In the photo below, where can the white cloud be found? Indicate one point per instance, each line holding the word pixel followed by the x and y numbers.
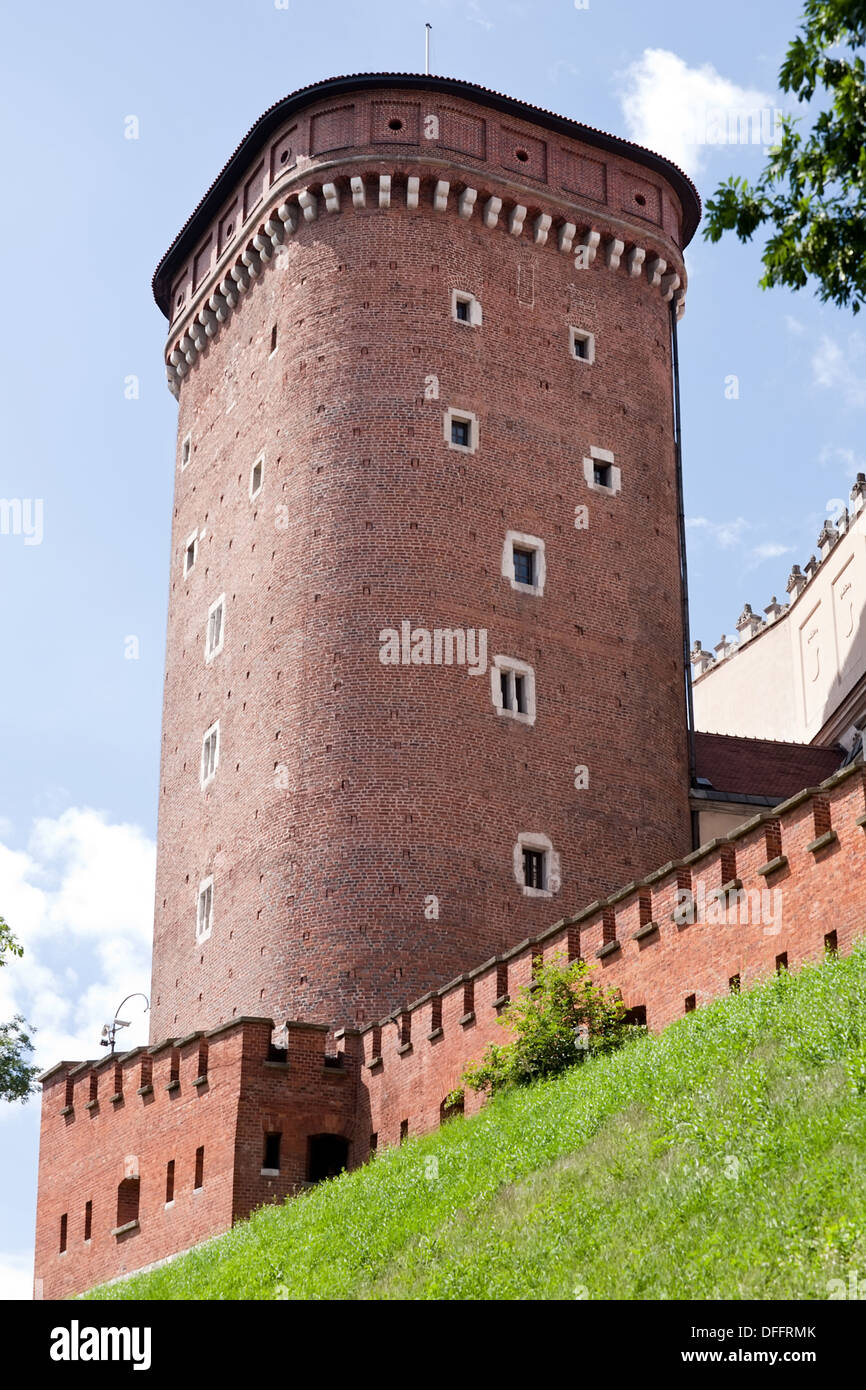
pixel 683 112
pixel 794 325
pixel 16 1277
pixel 724 533
pixel 770 550
pixel 835 457
pixel 841 369
pixel 80 901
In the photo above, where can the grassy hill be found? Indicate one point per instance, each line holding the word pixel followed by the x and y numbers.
pixel 724 1158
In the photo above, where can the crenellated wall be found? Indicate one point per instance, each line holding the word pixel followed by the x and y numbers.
pixel 778 891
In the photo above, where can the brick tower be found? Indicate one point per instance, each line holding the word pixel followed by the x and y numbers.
pixel 421 341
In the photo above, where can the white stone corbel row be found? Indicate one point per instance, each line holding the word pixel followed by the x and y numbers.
pixel 613 252
pixel 540 228
pixel 516 219
pixel 492 209
pixel 466 202
pixel 655 269
pixel 635 260
pixel 264 244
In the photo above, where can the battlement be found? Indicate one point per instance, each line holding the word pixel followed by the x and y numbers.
pixel 778 890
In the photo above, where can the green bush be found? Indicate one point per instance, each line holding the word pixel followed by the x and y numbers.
pixel 557 1021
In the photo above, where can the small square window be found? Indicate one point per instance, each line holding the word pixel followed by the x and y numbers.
pixel 524 566
pixel 190 554
pixel 185 451
pixel 210 753
pixel 582 344
pixel 256 476
pixel 215 628
pixel 461 430
pixel 601 474
pixel 601 471
pixel 513 688
pixel 465 308
pixel 533 868
pixel 204 917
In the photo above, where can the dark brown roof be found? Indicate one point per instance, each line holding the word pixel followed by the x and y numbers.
pixel 335 86
pixel 761 766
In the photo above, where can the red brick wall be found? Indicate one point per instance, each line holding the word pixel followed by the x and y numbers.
pixel 812 852
pixel 349 792
pixel 820 888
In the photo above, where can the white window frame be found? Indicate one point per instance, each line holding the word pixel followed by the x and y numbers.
pixel 211 651
pixel 464 297
pixel 524 542
pixel 510 664
pixel 213 733
pixel 191 540
pixel 581 335
pixel 202 935
pixel 597 455
pixel 530 839
pixel 467 417
pixel 185 451
pixel 257 463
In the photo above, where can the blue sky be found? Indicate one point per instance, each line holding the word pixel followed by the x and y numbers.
pixel 90 213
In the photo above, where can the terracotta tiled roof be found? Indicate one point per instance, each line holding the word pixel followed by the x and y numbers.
pixel 761 766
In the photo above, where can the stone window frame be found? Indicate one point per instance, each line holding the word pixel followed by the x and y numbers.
pixel 530 839
pixel 189 565
pixel 523 541
pixel 204 885
pixel 212 732
pixel 186 451
pixel 259 463
pixel 475 314
pixel 597 455
pixel 453 413
pixel 502 663
pixel 209 651
pixel 581 335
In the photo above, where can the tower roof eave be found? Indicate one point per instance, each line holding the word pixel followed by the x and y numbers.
pixel 336 86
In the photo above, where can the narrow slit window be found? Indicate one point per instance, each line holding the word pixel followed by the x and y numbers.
pixel 190 554
pixel 256 477
pixel 199 1168
pixel 210 754
pixel 533 868
pixel 214 635
pixel 88 1220
pixel 204 918
pixel 273 339
pixel 524 566
pixel 169 1182
pixel 185 452
pixel 271 1161
pixel 64 1221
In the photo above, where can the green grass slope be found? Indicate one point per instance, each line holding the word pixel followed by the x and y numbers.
pixel 724 1158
